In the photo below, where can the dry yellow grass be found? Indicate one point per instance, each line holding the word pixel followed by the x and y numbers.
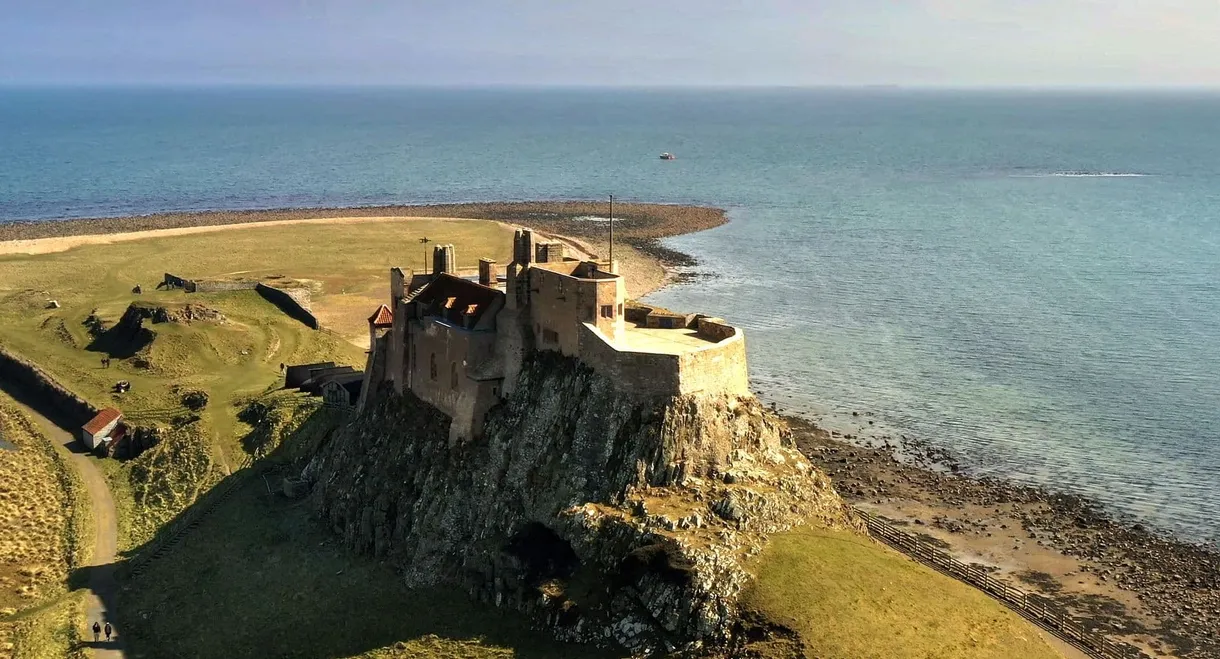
pixel 49 634
pixel 40 542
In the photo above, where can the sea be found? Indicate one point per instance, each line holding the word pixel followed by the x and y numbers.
pixel 1027 280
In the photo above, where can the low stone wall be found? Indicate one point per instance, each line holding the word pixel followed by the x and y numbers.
pixel 220 286
pixel 288 304
pixel 29 378
pixel 714 329
pixel 174 281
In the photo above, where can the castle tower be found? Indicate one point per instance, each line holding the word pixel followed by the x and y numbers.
pixel 443 260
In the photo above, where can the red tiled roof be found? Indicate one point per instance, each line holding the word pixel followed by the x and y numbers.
pixel 383 317
pixel 103 419
pixel 448 296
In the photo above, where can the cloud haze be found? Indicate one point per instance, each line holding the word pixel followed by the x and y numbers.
pixel 626 42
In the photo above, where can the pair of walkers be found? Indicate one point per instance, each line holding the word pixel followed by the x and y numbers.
pixel 97 630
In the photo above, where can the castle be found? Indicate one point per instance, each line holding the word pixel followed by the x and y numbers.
pixel 459 343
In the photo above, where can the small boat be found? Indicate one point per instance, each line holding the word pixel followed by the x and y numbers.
pixel 668 156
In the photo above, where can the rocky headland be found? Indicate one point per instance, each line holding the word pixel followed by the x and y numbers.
pixel 614 519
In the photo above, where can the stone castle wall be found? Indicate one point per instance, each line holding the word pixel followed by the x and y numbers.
pixel 717 368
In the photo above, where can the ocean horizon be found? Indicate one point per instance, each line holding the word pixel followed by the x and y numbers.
pixel 1027 280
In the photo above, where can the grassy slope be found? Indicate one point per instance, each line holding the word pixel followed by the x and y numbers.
pixel 44 527
pixel 259 578
pixel 49 634
pixel 849 597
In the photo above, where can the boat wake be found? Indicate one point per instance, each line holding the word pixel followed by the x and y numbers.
pixel 1083 174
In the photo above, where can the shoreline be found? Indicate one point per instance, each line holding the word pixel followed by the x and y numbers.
pixel 1150 589
pixel 639 228
pixel 1132 584
pixel 640 225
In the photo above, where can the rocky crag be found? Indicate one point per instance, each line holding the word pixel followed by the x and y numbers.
pixel 613 519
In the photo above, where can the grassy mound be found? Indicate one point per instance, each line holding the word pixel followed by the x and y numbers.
pixel 846 596
pixel 276 418
pixel 162 482
pixel 43 527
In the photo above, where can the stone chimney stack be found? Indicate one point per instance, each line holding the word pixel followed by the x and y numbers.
pixel 523 247
pixel 398 286
pixel 487 272
pixel 550 252
pixel 443 260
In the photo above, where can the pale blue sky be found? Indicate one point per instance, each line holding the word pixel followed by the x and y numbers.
pixel 623 42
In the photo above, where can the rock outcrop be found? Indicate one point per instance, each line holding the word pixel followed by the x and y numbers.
pixel 614 519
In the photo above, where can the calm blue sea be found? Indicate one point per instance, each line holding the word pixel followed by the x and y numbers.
pixel 1030 280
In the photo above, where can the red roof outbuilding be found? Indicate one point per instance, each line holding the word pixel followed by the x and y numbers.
pixel 383 317
pixel 103 419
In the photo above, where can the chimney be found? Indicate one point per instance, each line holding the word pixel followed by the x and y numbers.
pixel 550 252
pixel 487 272
pixel 523 247
pixel 443 260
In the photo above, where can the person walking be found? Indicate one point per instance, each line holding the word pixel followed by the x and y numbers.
pixel 109 631
pixel 97 629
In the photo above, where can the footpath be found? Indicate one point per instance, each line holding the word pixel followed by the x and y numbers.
pixel 100 571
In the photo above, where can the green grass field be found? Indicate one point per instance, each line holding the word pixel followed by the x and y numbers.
pixel 345 265
pixel 848 597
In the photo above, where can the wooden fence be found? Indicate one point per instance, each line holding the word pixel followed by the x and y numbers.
pixel 1036 609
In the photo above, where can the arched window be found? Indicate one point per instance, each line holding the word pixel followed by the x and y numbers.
pixel 432 365
pixel 453 375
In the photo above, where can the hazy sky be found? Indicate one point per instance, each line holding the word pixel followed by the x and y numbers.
pixel 619 42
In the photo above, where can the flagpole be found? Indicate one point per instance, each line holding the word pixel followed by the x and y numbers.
pixel 612 233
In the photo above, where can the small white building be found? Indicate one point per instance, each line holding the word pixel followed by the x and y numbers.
pixel 103 428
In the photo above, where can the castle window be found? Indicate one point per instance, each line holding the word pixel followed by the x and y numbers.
pixel 550 336
pixel 453 380
pixel 607 311
pixel 432 365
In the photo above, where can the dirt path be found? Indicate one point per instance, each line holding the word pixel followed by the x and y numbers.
pixel 99 574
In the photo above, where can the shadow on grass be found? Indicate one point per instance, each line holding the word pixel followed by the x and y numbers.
pixel 259 576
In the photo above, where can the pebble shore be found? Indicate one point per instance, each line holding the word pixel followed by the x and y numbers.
pixel 1122 579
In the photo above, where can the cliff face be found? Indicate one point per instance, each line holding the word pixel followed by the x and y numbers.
pixel 614 519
